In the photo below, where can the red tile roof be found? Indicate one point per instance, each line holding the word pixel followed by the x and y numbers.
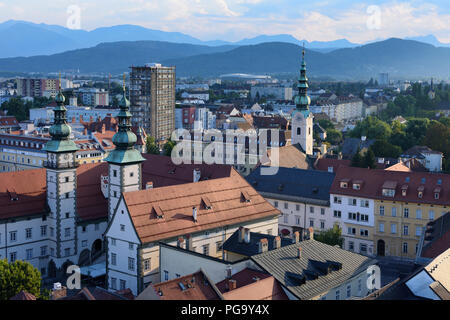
pixel 23 295
pixel 8 121
pixel 323 164
pixel 242 278
pixel 374 180
pixel 195 288
pixel 177 201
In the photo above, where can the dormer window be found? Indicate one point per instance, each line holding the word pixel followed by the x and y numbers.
pixel 420 191
pixel 404 192
pixel 420 194
pixel 389 189
pixel 436 195
pixel 388 193
pixel 356 186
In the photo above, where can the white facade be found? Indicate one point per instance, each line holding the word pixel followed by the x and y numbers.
pixel 73 113
pixel 204 119
pixel 278 92
pixel 302 131
pixel 340 111
pixel 357 216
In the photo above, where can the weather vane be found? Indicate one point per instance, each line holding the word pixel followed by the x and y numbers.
pixel 124 82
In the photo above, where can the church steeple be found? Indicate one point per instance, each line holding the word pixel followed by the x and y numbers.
pixel 302 100
pixel 124 139
pixel 60 132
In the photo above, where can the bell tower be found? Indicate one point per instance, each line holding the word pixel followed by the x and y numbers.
pixel 302 117
pixel 125 162
pixel 61 186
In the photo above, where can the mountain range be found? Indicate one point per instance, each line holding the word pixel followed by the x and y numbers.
pixel 25 39
pixel 400 58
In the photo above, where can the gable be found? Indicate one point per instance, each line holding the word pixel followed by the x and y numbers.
pixel 120 218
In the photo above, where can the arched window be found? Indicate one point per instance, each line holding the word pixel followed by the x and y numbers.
pixel 298 131
pixel 309 131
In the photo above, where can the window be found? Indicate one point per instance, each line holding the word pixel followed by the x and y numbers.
pixel 394 211
pixel 43 231
pixel 364 203
pixel 275 204
pixel 338 294
pixel 406 212
pixel 166 275
pixel 431 215
pixel 359 286
pixel 113 259
pixel 131 174
pixel 337 213
pixel 52 231
pixel 130 246
pixel 349 291
pixel 115 194
pixel 285 218
pixel 322 211
pixel 52 252
pixel 122 227
pixel 418 231
pixel 364 232
pixel 12 256
pixel 113 242
pixel 122 284
pixel 352 202
pixel 351 246
pixel 29 254
pixel 114 283
pixel 43 251
pixel 405 230
pixel 356 186
pixel 83 229
pixel 362 248
pixel 286 205
pixel 28 233
pixel 67 232
pixel 147 264
pixel 381 227
pixel 297 220
pixel 84 243
pixel 297 207
pixel 114 173
pixel 311 223
pixel 405 247
pixel 351 230
pixel 338 200
pixel 67 252
pixel 219 243
pixel 381 210
pixel 130 264
pixel 393 228
pixel 311 209
pixel 205 249
pixel 418 214
pixel 67 215
pixel 322 224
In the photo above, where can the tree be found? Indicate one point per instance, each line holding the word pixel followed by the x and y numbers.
pixel 372 128
pixel 168 146
pixel 334 137
pixel 437 138
pixel 357 160
pixel 331 236
pixel 326 124
pixel 151 146
pixel 382 148
pixel 369 159
pixel 18 276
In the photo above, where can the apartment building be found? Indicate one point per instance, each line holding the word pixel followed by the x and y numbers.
pixel 302 196
pixel 339 109
pixel 152 97
pixel 37 87
pixel 393 206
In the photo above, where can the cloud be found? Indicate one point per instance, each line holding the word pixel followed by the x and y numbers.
pixel 236 19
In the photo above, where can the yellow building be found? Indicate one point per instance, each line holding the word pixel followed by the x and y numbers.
pixel 399 206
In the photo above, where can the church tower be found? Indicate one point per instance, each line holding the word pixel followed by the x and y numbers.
pixel 61 186
pixel 302 118
pixel 125 162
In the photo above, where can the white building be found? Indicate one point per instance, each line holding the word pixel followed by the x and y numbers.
pixel 276 92
pixel 86 114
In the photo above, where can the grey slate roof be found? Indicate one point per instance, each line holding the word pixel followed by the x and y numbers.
pixel 250 249
pixel 351 145
pixel 292 184
pixel 284 265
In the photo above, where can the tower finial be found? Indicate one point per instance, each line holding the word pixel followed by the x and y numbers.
pixel 124 77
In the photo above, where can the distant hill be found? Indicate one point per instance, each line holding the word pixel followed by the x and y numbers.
pixel 400 58
pixel 112 57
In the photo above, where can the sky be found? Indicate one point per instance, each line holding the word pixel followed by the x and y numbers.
pixel 233 20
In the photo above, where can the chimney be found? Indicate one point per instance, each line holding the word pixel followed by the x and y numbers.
pixel 296 237
pixel 85 132
pixel 149 185
pixel 231 284
pixel 299 253
pixel 197 175
pixel 181 243
pixel 277 242
pixel 241 234
pixel 103 128
pixel 229 271
pixel 311 233
pixel 247 235
pixel 263 245
pixel 194 213
pixel 58 291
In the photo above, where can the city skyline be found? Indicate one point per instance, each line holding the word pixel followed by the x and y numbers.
pixel 233 20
